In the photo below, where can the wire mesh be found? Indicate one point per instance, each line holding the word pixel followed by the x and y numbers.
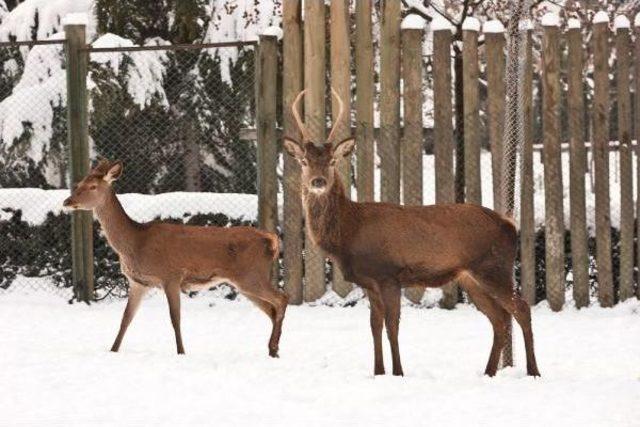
pixel 33 164
pixel 181 121
pixel 178 121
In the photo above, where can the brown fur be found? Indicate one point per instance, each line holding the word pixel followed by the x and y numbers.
pixel 177 257
pixel 383 247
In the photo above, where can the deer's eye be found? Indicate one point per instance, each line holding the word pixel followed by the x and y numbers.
pixel 303 162
pixel 93 187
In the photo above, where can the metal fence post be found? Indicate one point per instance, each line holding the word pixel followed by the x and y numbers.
pixel 77 100
pixel 267 144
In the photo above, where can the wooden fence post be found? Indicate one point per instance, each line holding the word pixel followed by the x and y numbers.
pixel 623 41
pixel 578 220
pixel 292 84
pixel 364 101
pixel 494 45
pixel 389 138
pixel 315 115
pixel 554 218
pixel 412 136
pixel 81 221
pixel 471 81
pixel 267 144
pixel 600 119
pixel 527 208
pixel 341 82
pixel 636 121
pixel 443 130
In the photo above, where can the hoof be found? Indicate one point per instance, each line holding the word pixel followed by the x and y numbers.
pixel 274 354
pixel 398 374
pixel 378 372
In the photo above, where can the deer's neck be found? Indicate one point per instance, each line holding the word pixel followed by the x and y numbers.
pixel 121 231
pixel 328 216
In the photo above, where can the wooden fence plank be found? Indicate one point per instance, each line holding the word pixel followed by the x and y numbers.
pixel 267 144
pixel 527 208
pixel 341 82
pixel 77 116
pixel 578 223
pixel 292 219
pixel 314 108
pixel 364 101
pixel 636 121
pixel 623 41
pixel 412 137
pixel 554 218
pixel 443 135
pixel 495 56
pixel 600 117
pixel 471 74
pixel 389 142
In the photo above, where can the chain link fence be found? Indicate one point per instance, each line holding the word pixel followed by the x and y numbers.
pixel 179 118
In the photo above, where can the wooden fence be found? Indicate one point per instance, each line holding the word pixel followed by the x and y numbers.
pixel 563 72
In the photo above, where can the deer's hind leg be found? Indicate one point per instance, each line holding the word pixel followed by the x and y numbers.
pixel 272 302
pixel 497 315
pixel 136 292
pixel 173 298
pixel 500 287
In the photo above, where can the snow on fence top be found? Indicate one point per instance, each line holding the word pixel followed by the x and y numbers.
pixel 574 23
pixel 525 25
pixel 471 24
pixel 636 20
pixel 273 30
pixel 493 26
pixel 621 22
pixel 440 23
pixel 413 22
pixel 75 19
pixel 601 17
pixel 550 20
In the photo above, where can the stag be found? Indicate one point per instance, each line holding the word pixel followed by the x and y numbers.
pixel 383 247
pixel 177 257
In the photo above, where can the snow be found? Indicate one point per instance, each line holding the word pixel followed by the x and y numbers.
pixel 413 22
pixel 57 368
pixel 493 26
pixel 41 87
pixel 550 20
pixel 273 31
pixel 471 24
pixel 621 22
pixel 574 23
pixel 48 14
pixel 636 20
pixel 147 74
pixel 440 23
pixel 141 207
pixel 525 25
pixel 601 17
pixel 75 19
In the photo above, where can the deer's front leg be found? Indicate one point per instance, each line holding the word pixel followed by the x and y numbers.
pixel 136 292
pixel 377 321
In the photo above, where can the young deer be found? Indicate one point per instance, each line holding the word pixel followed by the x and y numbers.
pixel 384 247
pixel 178 257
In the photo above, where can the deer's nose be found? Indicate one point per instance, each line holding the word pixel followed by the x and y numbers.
pixel 68 202
pixel 318 182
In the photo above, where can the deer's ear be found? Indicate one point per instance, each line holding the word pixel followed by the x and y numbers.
pixel 115 170
pixel 293 147
pixel 344 148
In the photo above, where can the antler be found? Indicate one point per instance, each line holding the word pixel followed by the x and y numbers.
pixel 296 115
pixel 337 121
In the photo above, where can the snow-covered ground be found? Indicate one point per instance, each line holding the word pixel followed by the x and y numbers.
pixel 55 367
